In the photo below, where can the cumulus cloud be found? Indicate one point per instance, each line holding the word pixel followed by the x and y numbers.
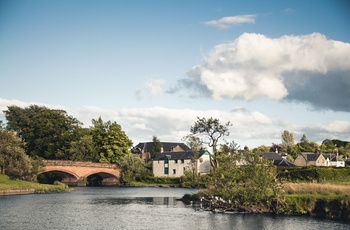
pixel 308 68
pixel 228 22
pixel 250 128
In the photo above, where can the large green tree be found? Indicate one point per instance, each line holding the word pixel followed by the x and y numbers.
pixel 46 132
pixel 133 168
pixel 14 162
pixel 110 140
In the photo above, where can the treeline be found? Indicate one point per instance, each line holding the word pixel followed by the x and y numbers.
pixel 53 134
pixel 288 146
pixel 35 133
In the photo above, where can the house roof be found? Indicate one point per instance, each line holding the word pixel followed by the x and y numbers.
pixel 332 157
pixel 167 146
pixel 277 159
pixel 271 156
pixel 283 162
pixel 181 155
pixel 178 155
pixel 310 156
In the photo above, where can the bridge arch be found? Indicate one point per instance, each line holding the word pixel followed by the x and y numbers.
pixel 75 173
pixel 67 177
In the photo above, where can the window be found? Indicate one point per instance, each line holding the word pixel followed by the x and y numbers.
pixel 175 161
pixel 182 161
pixel 166 171
pixel 174 171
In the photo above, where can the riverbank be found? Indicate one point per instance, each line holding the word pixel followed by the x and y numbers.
pixel 19 187
pixel 327 201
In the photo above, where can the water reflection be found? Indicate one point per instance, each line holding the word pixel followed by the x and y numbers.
pixel 133 208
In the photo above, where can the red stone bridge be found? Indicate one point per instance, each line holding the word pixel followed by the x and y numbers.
pixel 75 173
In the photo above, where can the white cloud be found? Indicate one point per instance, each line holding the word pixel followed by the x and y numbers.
pixel 250 128
pixel 308 68
pixel 228 22
pixel 154 87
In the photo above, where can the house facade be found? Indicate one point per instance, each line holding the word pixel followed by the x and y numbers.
pixel 175 163
pixel 310 159
pixel 144 149
pixel 332 160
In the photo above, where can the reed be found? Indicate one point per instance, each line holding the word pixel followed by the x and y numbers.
pixel 316 188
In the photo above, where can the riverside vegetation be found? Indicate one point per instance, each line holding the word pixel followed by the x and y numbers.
pixel 14 187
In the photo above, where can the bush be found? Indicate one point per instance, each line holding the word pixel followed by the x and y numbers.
pixel 319 174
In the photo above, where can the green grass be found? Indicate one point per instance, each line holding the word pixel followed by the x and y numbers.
pixel 7 184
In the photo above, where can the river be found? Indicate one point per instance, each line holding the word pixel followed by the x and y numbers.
pixel 133 208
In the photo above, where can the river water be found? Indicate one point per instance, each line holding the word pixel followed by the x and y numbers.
pixel 133 208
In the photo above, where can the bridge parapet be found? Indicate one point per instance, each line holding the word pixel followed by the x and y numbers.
pixel 79 164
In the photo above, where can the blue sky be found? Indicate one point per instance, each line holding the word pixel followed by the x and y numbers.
pixel 154 66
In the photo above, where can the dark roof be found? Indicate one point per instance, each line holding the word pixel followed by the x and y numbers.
pixel 277 159
pixel 283 162
pixel 167 146
pixel 178 155
pixel 271 156
pixel 311 156
pixel 332 157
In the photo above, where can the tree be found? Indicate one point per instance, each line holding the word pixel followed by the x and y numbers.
pixel 111 142
pixel 156 147
pixel 213 130
pixel 251 184
pixel 261 149
pixel 288 143
pixel 229 148
pixel 46 132
pixel 84 149
pixel 133 168
pixel 14 162
pixel 305 146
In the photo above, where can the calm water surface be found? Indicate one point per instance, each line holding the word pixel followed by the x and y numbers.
pixel 133 208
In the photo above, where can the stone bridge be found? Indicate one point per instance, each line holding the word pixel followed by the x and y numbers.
pixel 75 173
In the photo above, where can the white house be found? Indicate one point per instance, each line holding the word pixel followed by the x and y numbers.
pixel 333 160
pixel 174 164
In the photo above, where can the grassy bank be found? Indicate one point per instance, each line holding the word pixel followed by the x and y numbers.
pixel 319 200
pixel 6 184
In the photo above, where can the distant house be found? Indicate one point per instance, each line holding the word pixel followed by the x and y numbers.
pixel 333 160
pixel 175 163
pixel 277 159
pixel 144 149
pixel 310 159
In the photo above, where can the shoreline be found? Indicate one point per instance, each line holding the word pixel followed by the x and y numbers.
pixel 13 192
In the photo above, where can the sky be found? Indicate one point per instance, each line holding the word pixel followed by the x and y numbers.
pixel 155 66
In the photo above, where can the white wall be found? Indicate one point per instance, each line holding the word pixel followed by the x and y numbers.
pixel 179 167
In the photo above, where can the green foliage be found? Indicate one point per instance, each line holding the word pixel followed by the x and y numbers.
pixel 212 129
pixel 84 149
pixel 253 183
pixel 46 132
pixel 7 184
pixel 133 168
pixel 315 174
pixel 156 147
pixel 111 142
pixel 14 162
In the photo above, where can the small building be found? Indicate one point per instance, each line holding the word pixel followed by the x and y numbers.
pixel 175 163
pixel 277 159
pixel 310 159
pixel 332 160
pixel 144 149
